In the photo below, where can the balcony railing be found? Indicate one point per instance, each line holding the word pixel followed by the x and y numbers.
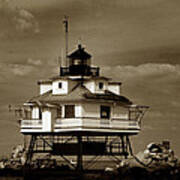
pixel 90 71
pixel 32 123
pixel 83 123
pixel 120 124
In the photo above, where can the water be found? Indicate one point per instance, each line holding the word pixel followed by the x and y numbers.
pixel 12 178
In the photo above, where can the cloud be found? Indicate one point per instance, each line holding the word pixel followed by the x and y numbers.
pixel 139 3
pixel 15 20
pixel 156 85
pixel 7 70
pixel 142 71
pixel 20 70
pixel 25 21
pixel 37 62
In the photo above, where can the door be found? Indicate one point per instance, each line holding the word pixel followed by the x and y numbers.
pixel 69 111
pixel 105 113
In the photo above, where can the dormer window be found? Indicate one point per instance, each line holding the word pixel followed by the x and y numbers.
pixel 60 85
pixel 101 85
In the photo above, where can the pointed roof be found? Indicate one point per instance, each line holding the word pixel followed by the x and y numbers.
pixel 80 93
pixel 79 54
pixel 76 94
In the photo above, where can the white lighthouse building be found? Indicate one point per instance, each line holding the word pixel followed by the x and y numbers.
pixel 80 100
pixel 80 113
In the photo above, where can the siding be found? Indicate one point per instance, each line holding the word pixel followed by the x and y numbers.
pixel 114 88
pixel 93 110
pixel 66 86
pixel 62 90
pixel 45 88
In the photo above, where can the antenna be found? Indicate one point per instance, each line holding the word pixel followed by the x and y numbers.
pixel 59 61
pixel 79 40
pixel 62 57
pixel 65 22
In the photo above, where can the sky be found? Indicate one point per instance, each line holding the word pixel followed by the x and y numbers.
pixel 133 41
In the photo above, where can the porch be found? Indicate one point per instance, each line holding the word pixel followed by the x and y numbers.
pixel 82 124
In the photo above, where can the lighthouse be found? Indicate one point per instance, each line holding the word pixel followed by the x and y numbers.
pixel 80 114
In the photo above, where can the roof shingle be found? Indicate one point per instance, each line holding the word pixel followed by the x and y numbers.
pixel 81 93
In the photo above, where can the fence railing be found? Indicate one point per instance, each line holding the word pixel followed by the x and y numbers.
pixel 87 122
pixel 97 122
pixel 91 71
pixel 34 122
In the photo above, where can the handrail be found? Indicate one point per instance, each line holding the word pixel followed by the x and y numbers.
pixel 65 121
pixel 98 118
pixel 31 122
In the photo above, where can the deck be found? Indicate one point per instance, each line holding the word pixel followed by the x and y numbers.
pixel 82 124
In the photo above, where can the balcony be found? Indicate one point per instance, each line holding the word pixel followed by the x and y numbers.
pixel 34 125
pixel 76 71
pixel 97 125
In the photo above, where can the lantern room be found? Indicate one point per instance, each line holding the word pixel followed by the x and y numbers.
pixel 79 64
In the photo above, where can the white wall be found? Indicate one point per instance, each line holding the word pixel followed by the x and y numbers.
pixel 119 112
pixel 91 110
pixel 90 85
pixel 35 113
pixel 93 86
pixel 115 88
pixel 46 120
pixel 62 90
pixel 63 111
pixel 101 91
pixel 78 110
pixel 53 117
pixel 67 85
pixel 45 88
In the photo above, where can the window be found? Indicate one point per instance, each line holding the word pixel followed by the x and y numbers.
pixel 77 62
pixel 59 112
pixel 60 85
pixel 27 114
pixel 40 113
pixel 105 112
pixel 69 111
pixel 101 85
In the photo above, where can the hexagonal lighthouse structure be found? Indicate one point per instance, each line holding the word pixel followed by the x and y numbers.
pixel 81 114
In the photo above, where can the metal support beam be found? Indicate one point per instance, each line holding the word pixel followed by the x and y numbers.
pixel 114 147
pixel 29 155
pixel 79 155
pixel 91 162
pixel 129 145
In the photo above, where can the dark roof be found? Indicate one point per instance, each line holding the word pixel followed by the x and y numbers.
pixel 60 77
pixel 50 80
pixel 109 96
pixel 47 81
pixel 76 94
pixel 98 78
pixel 115 83
pixel 79 54
pixel 81 93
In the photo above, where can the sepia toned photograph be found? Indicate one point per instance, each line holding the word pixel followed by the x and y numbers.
pixel 89 89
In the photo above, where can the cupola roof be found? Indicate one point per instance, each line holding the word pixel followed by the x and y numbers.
pixel 80 53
